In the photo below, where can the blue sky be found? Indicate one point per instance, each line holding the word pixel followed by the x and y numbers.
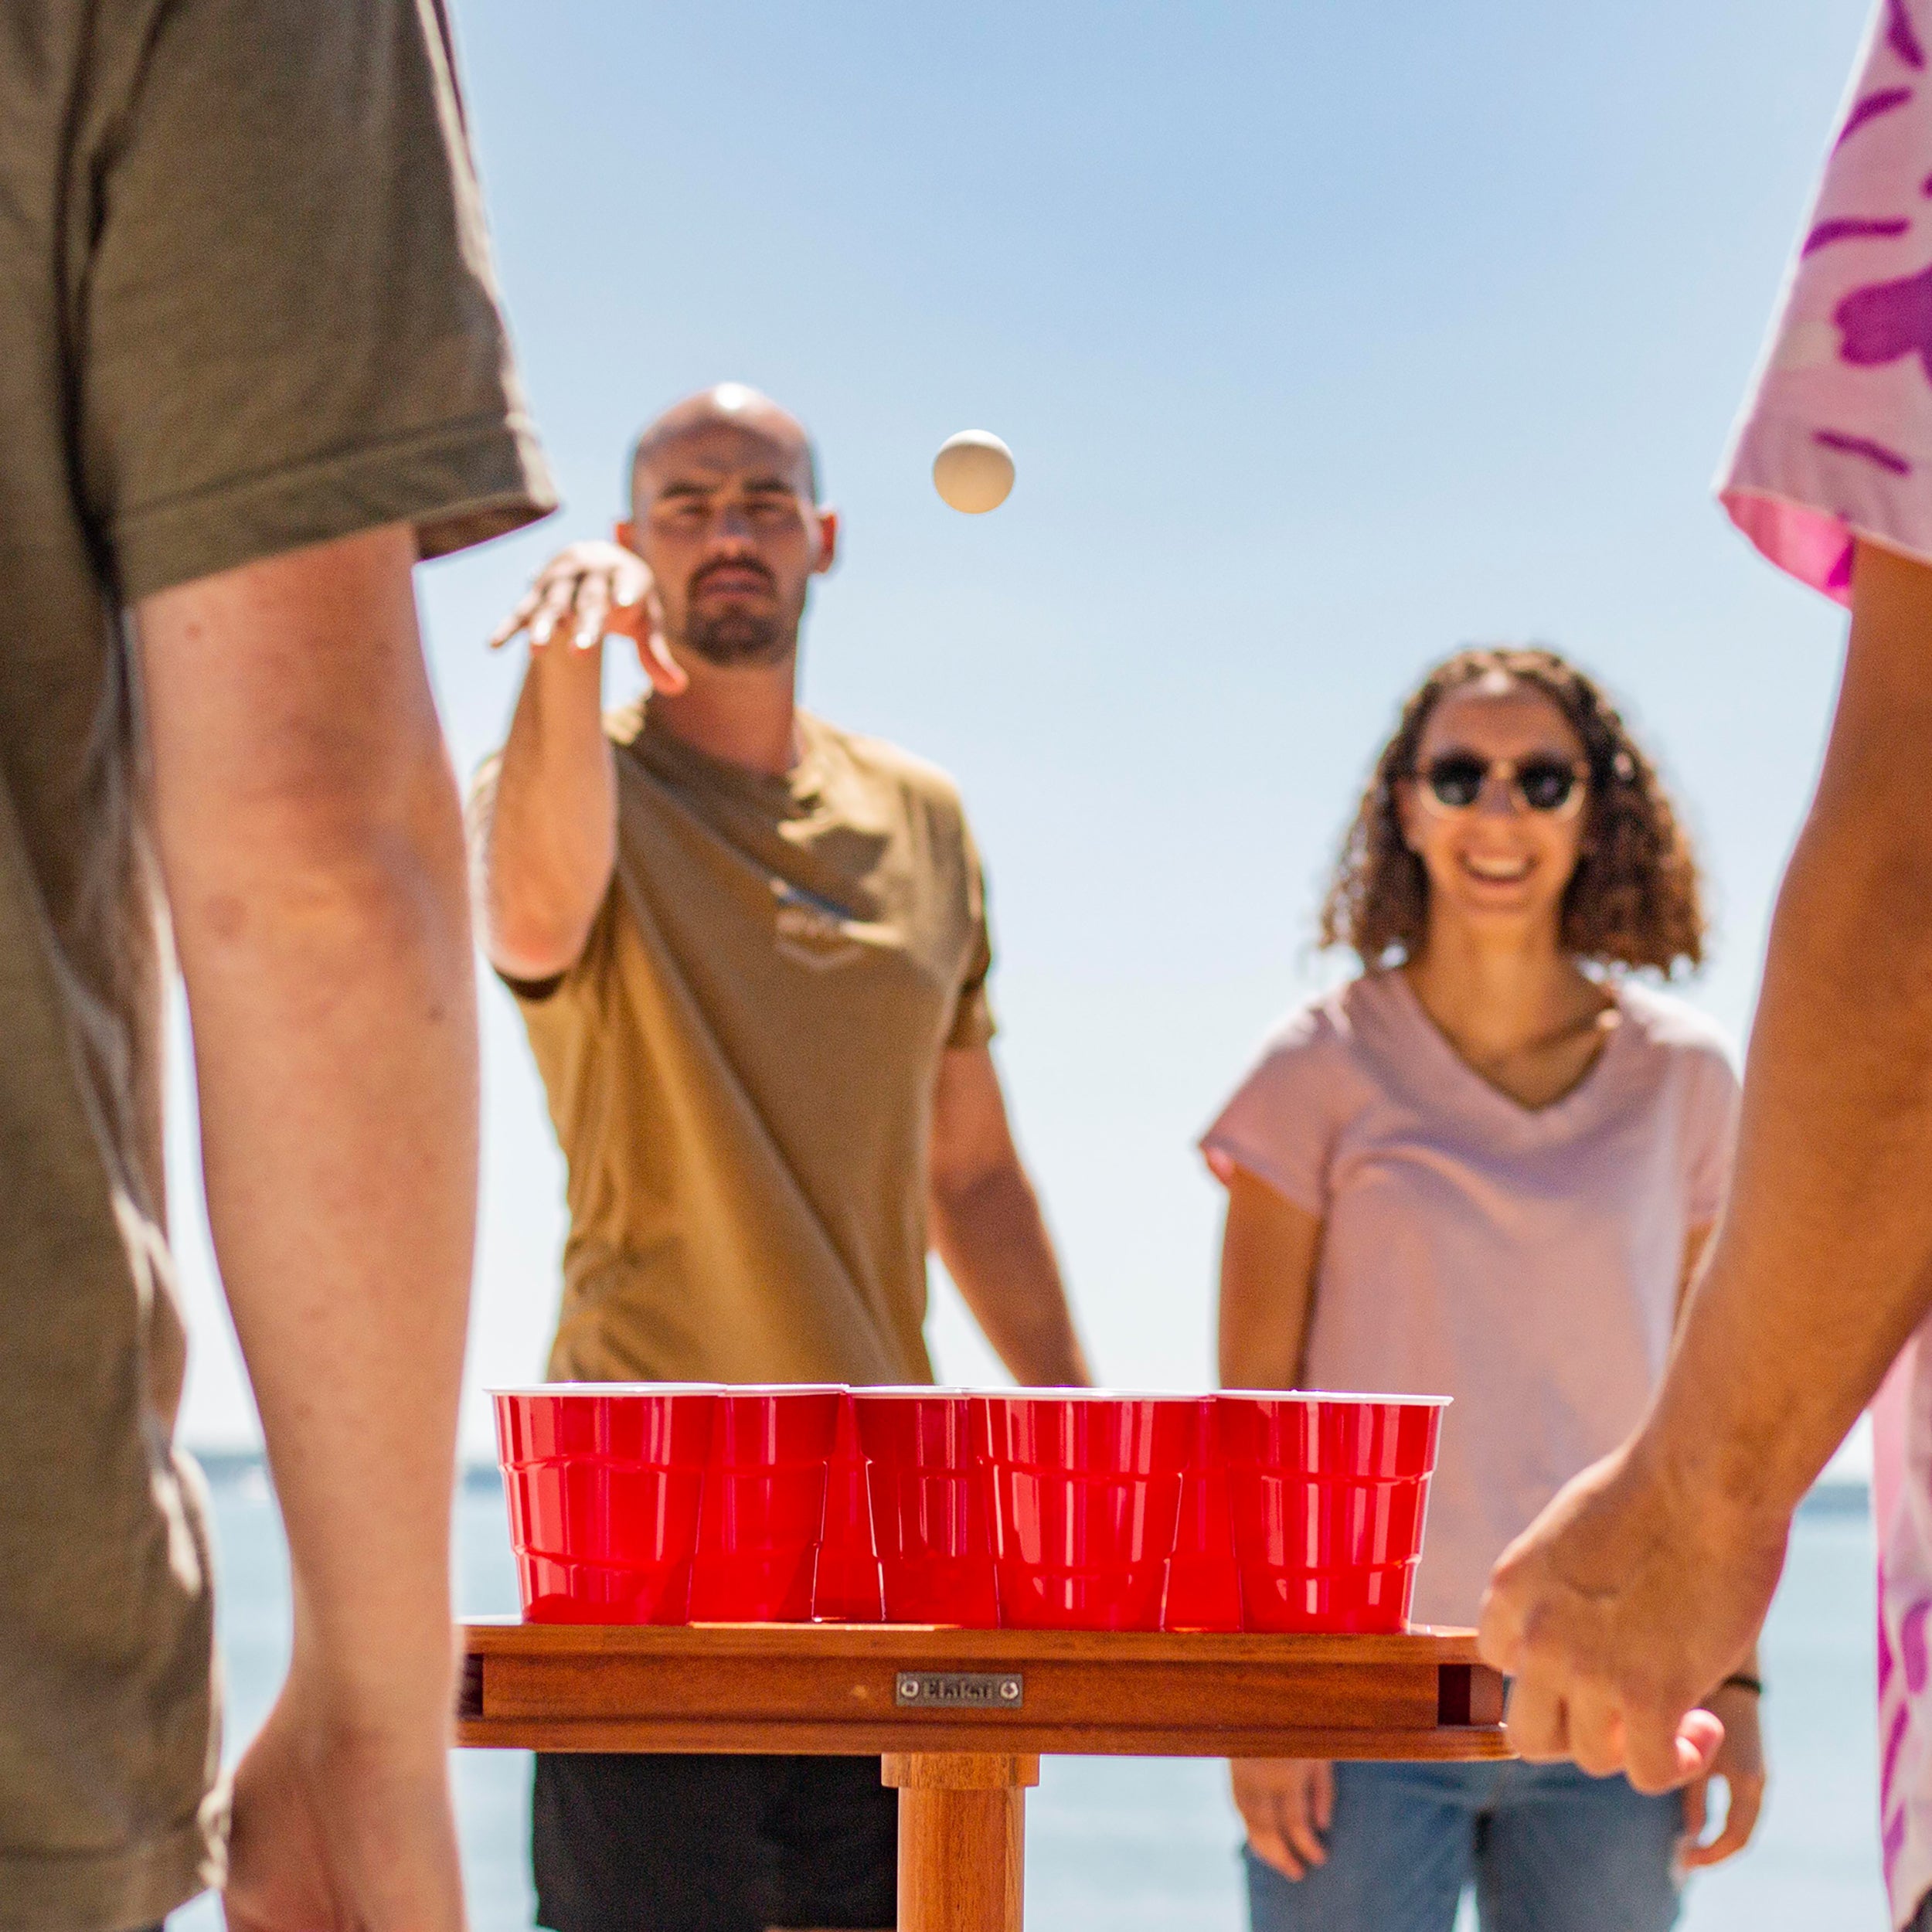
pixel 1327 337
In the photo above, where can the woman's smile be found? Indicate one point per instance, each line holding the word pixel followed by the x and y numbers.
pixel 1498 869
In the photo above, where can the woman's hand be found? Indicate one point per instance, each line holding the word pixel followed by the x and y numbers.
pixel 1741 1764
pixel 1287 1804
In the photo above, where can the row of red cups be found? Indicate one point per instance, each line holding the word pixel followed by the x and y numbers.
pixel 655 1502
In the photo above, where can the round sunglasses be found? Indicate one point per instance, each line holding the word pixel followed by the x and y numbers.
pixel 1552 786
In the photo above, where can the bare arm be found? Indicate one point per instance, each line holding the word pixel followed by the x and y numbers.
pixel 1269 1247
pixel 987 1228
pixel 544 841
pixel 1694 1244
pixel 310 836
pixel 1269 1250
pixel 1646 1578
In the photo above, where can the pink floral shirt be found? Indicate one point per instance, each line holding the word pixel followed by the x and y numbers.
pixel 1837 439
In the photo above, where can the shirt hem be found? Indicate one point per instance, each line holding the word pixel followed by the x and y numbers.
pixel 111 1892
pixel 459 484
pixel 1800 503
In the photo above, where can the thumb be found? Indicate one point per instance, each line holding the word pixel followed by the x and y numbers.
pixel 1699 1738
pixel 667 676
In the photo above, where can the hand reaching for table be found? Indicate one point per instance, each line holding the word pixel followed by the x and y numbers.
pixel 1287 1804
pixel 1637 1589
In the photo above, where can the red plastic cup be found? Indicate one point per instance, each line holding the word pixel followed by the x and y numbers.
pixel 847 1586
pixel 603 1481
pixel 929 1507
pixel 763 1510
pixel 1203 1580
pixel 1329 1496
pixel 1087 1496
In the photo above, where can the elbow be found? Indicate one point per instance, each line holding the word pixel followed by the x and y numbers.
pixel 321 866
pixel 325 877
pixel 530 944
pixel 957 1191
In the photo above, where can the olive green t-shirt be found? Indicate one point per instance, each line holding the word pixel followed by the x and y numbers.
pixel 740 1068
pixel 245 305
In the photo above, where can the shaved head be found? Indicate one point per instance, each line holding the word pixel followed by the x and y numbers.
pixel 732 405
pixel 725 509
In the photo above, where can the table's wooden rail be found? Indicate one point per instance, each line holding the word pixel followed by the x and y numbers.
pixel 819 1689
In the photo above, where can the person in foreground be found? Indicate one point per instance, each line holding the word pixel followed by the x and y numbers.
pixel 1485 1168
pixel 251 369
pixel 1646 1578
pixel 751 951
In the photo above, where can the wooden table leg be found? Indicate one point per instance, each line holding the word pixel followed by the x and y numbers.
pixel 962 1839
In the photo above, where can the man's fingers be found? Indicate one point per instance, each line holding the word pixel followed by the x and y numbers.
pixel 1599 1733
pixel 1700 1736
pixel 553 607
pixel 1499 1632
pixel 1323 1795
pixel 1297 1827
pixel 1539 1722
pixel 1747 1800
pixel 1696 1811
pixel 526 610
pixel 667 676
pixel 592 609
pixel 1271 1846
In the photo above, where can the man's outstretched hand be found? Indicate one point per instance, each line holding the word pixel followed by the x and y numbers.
pixel 341 1830
pixel 1624 1604
pixel 588 592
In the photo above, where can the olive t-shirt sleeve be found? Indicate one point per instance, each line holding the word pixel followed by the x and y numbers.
pixel 291 331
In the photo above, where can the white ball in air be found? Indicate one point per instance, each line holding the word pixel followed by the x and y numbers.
pixel 974 471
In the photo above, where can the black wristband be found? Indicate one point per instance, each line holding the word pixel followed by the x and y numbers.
pixel 1744 1681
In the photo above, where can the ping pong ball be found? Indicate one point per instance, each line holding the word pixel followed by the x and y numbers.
pixel 974 471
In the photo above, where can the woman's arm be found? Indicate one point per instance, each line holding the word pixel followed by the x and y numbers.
pixel 1269 1249
pixel 1268 1254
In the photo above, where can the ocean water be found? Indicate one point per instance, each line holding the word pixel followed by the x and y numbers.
pixel 1148 1845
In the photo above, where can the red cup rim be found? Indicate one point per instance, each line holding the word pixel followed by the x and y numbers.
pixel 1081 1395
pixel 589 1389
pixel 784 1388
pixel 908 1392
pixel 1324 1394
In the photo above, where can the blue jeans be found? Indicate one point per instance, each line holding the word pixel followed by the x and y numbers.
pixel 1547 1849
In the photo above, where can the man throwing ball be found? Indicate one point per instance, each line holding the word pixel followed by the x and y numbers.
pixel 751 952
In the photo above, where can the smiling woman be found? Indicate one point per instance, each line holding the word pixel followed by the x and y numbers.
pixel 1631 898
pixel 1484 1169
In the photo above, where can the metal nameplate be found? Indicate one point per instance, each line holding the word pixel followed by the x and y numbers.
pixel 931 1690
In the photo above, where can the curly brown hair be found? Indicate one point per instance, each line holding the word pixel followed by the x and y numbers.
pixel 1634 900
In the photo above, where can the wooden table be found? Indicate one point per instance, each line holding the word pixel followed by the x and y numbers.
pixel 961 1717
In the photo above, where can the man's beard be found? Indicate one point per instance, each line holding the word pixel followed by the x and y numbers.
pixel 733 639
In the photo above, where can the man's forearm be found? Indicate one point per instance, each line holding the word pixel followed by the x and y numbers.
pixel 548 840
pixel 993 1239
pixel 311 836
pixel 1831 1205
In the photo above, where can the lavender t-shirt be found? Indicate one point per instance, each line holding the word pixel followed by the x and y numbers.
pixel 1525 1261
